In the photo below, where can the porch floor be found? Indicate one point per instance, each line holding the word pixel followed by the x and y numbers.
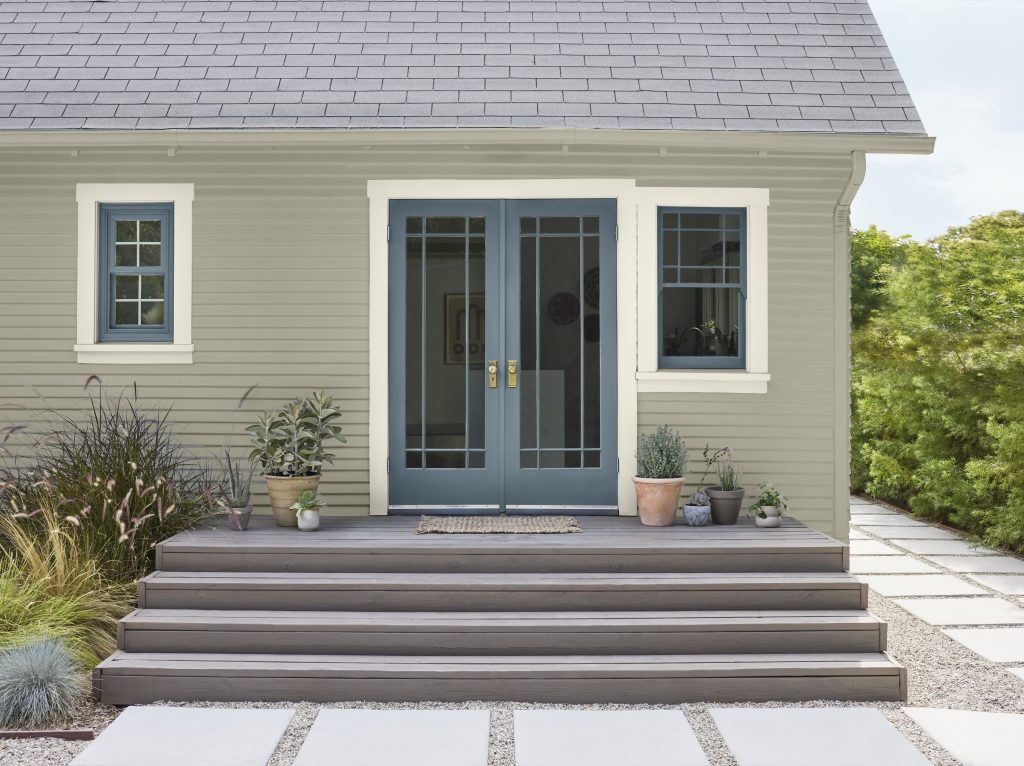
pixel 365 609
pixel 609 543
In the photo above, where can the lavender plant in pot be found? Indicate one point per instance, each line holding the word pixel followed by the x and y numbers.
pixel 661 463
pixel 727 495
pixel 289 448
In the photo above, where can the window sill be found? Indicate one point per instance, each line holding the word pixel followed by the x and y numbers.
pixel 134 353
pixel 703 382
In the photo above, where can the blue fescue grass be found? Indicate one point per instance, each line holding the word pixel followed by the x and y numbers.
pixel 41 684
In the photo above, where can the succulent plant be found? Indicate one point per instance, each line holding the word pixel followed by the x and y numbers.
pixel 699 497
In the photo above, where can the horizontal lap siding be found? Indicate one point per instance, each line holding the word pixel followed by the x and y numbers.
pixel 281 291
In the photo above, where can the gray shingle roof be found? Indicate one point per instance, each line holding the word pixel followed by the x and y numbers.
pixel 756 66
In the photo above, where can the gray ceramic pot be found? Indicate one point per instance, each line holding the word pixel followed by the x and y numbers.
pixel 238 518
pixel 725 504
pixel 697 515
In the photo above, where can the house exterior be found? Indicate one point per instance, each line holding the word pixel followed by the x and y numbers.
pixel 507 236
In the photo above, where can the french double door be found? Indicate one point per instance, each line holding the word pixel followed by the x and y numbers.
pixel 502 384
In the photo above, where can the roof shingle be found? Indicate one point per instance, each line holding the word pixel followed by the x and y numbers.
pixel 758 66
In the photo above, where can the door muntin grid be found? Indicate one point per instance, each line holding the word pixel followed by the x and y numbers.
pixel 560 387
pixel 445 341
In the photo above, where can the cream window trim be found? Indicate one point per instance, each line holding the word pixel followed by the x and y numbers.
pixel 87 348
pixel 134 353
pixel 752 380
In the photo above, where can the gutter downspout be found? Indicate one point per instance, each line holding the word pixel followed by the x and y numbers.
pixel 841 370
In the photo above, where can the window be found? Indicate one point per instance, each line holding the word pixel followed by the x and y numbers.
pixel 136 261
pixel 134 273
pixel 702 288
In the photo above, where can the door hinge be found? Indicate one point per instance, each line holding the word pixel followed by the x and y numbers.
pixel 389 466
pixel 618 465
pixel 616 232
pixel 389 232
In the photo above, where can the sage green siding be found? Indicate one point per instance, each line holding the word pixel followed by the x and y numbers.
pixel 281 291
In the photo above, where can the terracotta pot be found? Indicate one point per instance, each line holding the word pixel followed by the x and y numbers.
pixel 725 504
pixel 238 518
pixel 284 492
pixel 657 500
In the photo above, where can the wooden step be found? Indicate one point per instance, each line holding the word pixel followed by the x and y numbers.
pixel 407 592
pixel 500 633
pixel 388 544
pixel 128 678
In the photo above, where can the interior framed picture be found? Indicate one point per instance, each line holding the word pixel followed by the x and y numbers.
pixel 464 329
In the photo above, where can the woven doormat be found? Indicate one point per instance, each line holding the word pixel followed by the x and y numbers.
pixel 482 525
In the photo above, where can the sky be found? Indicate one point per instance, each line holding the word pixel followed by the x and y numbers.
pixel 963 61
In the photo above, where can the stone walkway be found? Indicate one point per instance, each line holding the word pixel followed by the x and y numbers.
pixel 974 594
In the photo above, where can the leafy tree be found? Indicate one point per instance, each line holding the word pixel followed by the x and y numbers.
pixel 938 376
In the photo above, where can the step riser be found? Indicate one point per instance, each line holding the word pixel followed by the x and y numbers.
pixel 606 562
pixel 157 597
pixel 498 643
pixel 143 689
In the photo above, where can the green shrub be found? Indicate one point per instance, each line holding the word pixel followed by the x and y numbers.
pixel 40 685
pixel 661 455
pixel 938 356
pixel 118 478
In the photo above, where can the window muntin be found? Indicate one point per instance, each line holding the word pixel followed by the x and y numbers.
pixel 136 273
pixel 702 287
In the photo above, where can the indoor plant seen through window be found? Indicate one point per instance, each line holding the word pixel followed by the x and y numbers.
pixel 660 465
pixel 289 448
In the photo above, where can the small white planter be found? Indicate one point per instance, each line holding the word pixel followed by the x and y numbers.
pixel 772 511
pixel 308 521
pixel 768 523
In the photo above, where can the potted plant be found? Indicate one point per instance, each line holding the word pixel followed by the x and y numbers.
pixel 307 511
pixel 235 494
pixel 698 511
pixel 661 463
pixel 289 448
pixel 727 495
pixel 769 506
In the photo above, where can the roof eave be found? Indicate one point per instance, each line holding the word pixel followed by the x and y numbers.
pixel 887 143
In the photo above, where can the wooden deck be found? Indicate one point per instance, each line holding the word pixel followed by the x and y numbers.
pixel 607 544
pixel 366 609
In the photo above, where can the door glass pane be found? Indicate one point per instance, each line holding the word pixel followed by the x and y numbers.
pixel 560 409
pixel 700 321
pixel 444 355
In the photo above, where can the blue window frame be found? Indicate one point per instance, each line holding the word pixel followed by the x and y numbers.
pixel 136 290
pixel 702 273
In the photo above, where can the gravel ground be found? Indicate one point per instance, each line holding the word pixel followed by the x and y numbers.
pixel 942 673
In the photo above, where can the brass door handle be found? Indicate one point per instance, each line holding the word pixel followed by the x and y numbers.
pixel 513 373
pixel 492 373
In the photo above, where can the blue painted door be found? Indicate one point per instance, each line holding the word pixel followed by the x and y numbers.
pixel 502 356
